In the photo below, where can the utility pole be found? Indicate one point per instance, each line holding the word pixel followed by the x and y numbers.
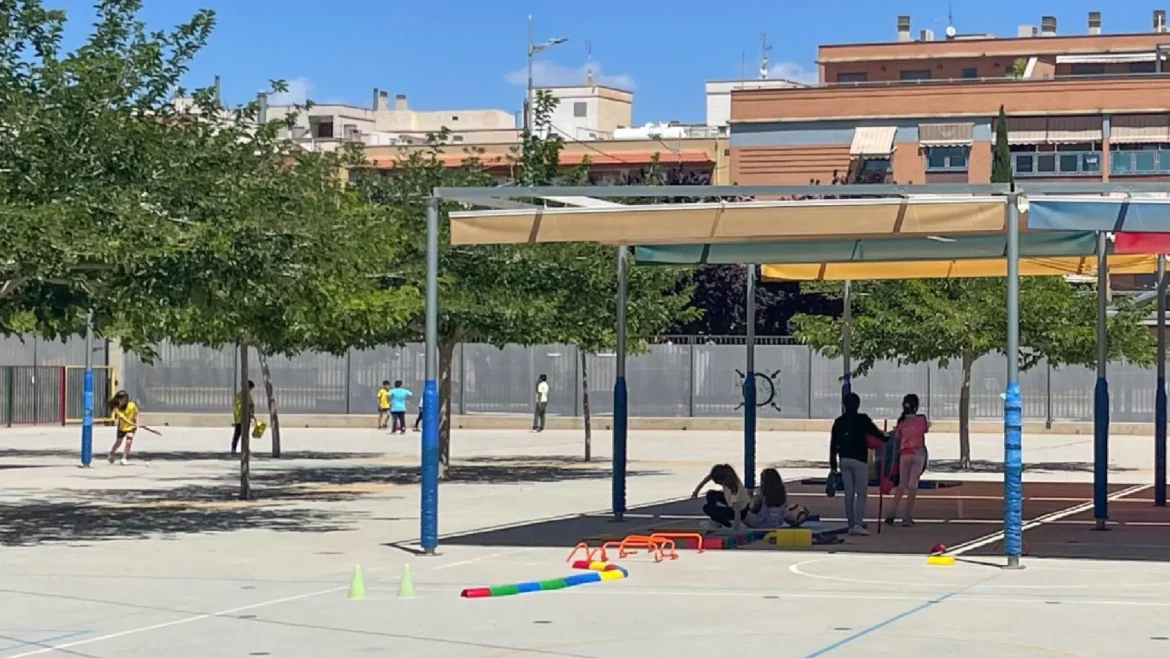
pixel 533 50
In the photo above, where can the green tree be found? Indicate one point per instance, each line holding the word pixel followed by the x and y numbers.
pixel 500 294
pixel 1001 163
pixel 960 320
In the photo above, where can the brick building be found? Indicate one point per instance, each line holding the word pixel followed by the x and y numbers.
pixel 1084 107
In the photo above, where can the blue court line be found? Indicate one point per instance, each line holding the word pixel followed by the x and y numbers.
pixel 896 618
pixel 21 644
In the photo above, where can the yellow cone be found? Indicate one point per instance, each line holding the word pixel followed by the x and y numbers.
pixel 406 584
pixel 357 588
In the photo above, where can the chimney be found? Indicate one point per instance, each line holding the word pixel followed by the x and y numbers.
pixel 383 100
pixel 926 35
pixel 374 105
pixel 1094 22
pixel 1025 31
pixel 903 28
pixel 400 102
pixel 1159 20
pixel 1047 26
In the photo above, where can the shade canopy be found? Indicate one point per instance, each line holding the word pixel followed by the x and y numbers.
pixel 751 221
pixel 1144 215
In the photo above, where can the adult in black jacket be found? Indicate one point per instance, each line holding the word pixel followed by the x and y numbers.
pixel 849 453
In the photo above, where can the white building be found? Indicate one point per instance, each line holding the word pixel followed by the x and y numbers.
pixel 719 96
pixel 590 111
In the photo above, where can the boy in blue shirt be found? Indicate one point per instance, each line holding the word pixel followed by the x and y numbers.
pixel 398 398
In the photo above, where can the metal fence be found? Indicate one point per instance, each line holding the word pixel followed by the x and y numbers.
pixel 681 376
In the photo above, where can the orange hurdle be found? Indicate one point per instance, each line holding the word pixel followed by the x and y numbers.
pixel 589 552
pixel 681 535
pixel 641 541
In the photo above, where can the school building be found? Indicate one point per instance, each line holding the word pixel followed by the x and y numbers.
pixel 918 109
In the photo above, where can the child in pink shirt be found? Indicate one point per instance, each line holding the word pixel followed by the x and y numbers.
pixel 911 433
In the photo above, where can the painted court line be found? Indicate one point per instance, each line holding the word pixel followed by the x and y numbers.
pixel 980 542
pixel 232 611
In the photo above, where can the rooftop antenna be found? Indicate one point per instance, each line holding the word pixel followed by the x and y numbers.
pixel 951 31
pixel 764 48
pixel 589 63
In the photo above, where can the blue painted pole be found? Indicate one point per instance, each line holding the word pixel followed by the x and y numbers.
pixel 1101 393
pixel 1013 463
pixel 429 504
pixel 749 385
pixel 1160 394
pixel 620 396
pixel 87 396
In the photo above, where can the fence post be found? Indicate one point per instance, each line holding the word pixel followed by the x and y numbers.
pixel 63 392
pixel 348 379
pixel 929 409
pixel 810 382
pixel 1048 394
pixel 576 380
pixel 10 402
pixel 462 379
pixel 691 375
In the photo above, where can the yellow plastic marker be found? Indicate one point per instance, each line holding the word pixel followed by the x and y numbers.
pixel 941 560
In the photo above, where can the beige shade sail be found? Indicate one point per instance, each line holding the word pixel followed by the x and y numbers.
pixel 873 141
pixel 946 134
pixel 954 269
pixel 705 223
pixel 1139 129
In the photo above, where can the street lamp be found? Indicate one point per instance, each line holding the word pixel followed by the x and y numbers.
pixel 534 49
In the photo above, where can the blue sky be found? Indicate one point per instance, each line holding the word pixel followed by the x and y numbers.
pixel 448 54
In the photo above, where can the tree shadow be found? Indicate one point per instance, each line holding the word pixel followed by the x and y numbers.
pixel 185 456
pixel 510 471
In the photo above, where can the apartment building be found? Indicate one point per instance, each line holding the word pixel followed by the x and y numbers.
pixel 1090 106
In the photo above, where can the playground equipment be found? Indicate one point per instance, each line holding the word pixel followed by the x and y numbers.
pixel 597 571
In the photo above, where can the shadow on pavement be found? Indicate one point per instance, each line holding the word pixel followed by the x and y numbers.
pixel 977 466
pixel 189 456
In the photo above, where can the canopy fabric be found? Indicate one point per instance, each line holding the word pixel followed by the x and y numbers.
pixel 1149 215
pixel 1108 58
pixel 954 269
pixel 707 223
pixel 1139 129
pixel 1128 242
pixel 1027 130
pixel 1051 244
pixel 873 141
pixel 946 134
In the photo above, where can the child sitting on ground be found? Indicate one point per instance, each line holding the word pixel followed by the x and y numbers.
pixel 768 503
pixel 729 506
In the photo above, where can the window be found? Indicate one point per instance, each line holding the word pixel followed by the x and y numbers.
pixel 859 76
pixel 1140 159
pixel 947 158
pixel 580 110
pixel 456 138
pixel 1143 67
pixel 971 73
pixel 1088 69
pixel 323 130
pixel 454 117
pixel 1057 159
pixel 915 74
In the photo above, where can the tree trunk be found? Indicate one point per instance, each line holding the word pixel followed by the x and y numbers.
pixel 270 394
pixel 585 405
pixel 446 356
pixel 965 413
pixel 245 419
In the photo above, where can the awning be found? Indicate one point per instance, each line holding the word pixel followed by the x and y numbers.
pixel 1128 242
pixel 1107 58
pixel 1104 214
pixel 946 134
pixel 1027 130
pixel 873 141
pixel 956 269
pixel 1139 129
pixel 1068 130
pixel 705 223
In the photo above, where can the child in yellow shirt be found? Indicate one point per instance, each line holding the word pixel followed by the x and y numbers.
pixel 125 413
pixel 384 405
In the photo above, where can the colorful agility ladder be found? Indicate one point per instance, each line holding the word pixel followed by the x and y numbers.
pixel 598 571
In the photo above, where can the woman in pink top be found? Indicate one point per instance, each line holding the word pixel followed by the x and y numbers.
pixel 911 433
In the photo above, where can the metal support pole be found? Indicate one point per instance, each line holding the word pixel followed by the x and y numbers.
pixel 528 89
pixel 1013 524
pixel 348 381
pixel 1101 394
pixel 691 374
pixel 1160 395
pixel 620 397
pixel 87 396
pixel 749 384
pixel 846 341
pixel 429 512
pixel 1047 394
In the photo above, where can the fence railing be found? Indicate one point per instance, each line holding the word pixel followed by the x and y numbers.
pixel 677 376
pixel 40 395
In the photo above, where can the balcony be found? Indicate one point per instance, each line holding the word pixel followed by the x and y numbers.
pixel 954 98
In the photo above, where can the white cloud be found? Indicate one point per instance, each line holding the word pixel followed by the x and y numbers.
pixel 297 93
pixel 549 74
pixel 792 71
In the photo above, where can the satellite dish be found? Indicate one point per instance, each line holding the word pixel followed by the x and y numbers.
pixel 951 32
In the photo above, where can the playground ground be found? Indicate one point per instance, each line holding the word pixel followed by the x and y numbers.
pixel 157 558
